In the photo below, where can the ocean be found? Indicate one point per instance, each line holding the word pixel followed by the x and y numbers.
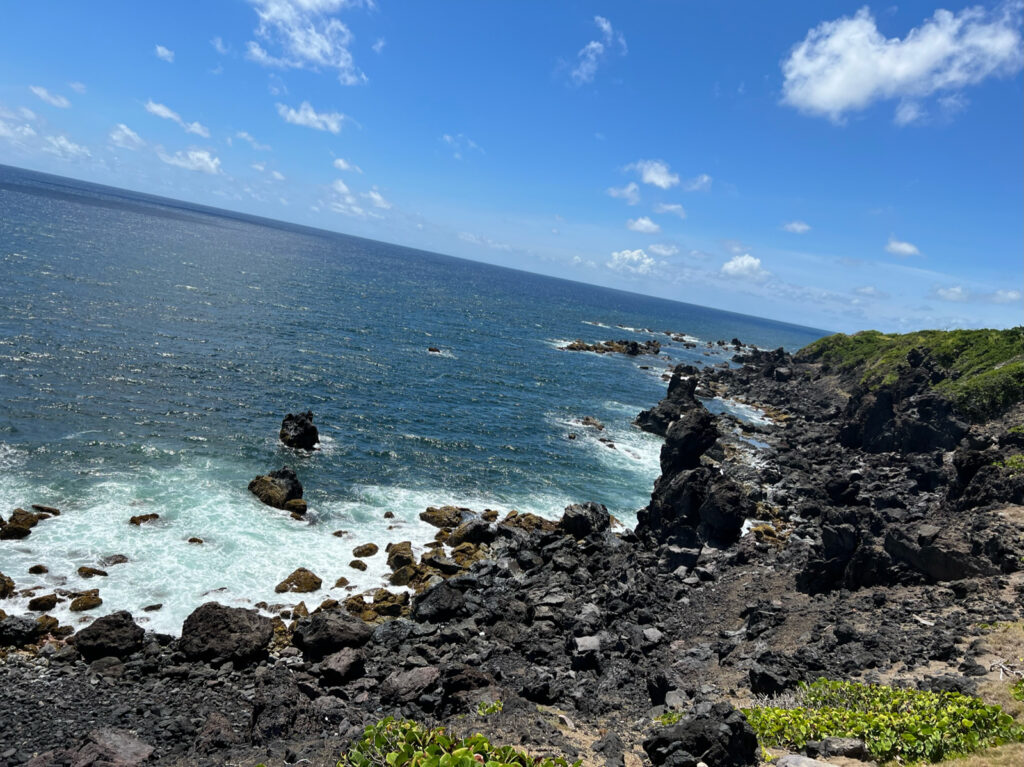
pixel 149 349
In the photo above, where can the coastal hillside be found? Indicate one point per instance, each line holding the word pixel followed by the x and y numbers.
pixel 981 371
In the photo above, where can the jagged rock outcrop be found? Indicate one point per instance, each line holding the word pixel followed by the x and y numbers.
pixel 214 632
pixel 298 431
pixel 277 488
pixel 679 399
pixel 116 635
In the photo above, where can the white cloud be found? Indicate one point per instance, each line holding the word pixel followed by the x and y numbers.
pixel 869 291
pixel 164 54
pixel 846 65
pixel 593 53
pixel 670 207
pixel 379 45
pixel 258 166
pixel 340 187
pixel 166 113
pixel 745 267
pixel 630 193
pixel 53 99
pixel 797 227
pixel 342 164
pixel 654 172
pixel 486 242
pixel 1005 296
pixel 194 159
pixel 901 249
pixel 16 133
pixel 908 112
pixel 246 136
pixel 634 261
pixel 277 175
pixel 307 36
pixel 698 183
pixel 643 225
pixel 663 250
pixel 125 137
pixel 77 87
pixel 219 46
pixel 307 116
pixel 955 293
pixel 377 199
pixel 460 144
pixel 62 147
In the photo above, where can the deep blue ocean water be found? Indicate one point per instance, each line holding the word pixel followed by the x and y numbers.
pixel 149 349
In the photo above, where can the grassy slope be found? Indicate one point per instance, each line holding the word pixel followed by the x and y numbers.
pixel 986 366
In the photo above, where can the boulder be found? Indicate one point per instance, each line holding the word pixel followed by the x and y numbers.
pixel 116 634
pixel 22 518
pixel 475 531
pixel 217 633
pixel 14 532
pixel 716 735
pixel 366 550
pixel 301 581
pixel 90 572
pixel 342 666
pixel 38 570
pixel 444 516
pixel 441 603
pixel 104 747
pixel 85 602
pixel 6 586
pixel 299 432
pixel 16 631
pixel 142 519
pixel 296 506
pixel 407 686
pixel 324 633
pixel 42 604
pixel 277 487
pixel 400 554
pixel 583 519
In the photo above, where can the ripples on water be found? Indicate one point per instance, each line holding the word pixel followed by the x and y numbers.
pixel 148 352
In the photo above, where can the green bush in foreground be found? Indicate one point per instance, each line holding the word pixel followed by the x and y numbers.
pixel 403 743
pixel 1017 690
pixel 908 725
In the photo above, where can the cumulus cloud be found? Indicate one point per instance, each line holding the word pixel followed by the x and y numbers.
pixel 340 187
pixel 634 261
pixel 166 113
pixel 745 267
pixel 593 53
pixel 193 159
pixel 14 132
pixel 306 116
pixel 305 36
pixel 655 172
pixel 630 193
pixel 901 248
pixel 699 183
pixel 643 225
pixel 460 144
pixel 1005 296
pixel 846 65
pixel 65 148
pixel 53 99
pixel 870 291
pixel 663 250
pixel 246 136
pixel 797 227
pixel 164 54
pixel 377 199
pixel 674 208
pixel 125 137
pixel 955 293
pixel 342 164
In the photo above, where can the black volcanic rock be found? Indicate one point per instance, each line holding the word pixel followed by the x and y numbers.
pixel 327 632
pixel 115 635
pixel 679 399
pixel 718 735
pixel 299 432
pixel 217 633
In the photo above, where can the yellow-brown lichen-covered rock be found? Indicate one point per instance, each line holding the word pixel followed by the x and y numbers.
pixel 6 586
pixel 276 488
pixel 444 516
pixel 357 564
pixel 42 603
pixel 528 522
pixel 296 506
pixel 142 519
pixel 400 554
pixel 91 572
pixel 465 554
pixel 366 550
pixel 85 602
pixel 302 581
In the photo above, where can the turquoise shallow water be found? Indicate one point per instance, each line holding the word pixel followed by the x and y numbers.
pixel 149 349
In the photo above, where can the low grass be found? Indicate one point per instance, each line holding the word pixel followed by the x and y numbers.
pixel 986 366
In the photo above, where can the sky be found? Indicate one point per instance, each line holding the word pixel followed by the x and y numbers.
pixel 831 164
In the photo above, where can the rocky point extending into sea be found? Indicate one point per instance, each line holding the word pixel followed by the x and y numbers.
pixel 868 528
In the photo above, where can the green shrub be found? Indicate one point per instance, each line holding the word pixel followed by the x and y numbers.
pixel 1017 690
pixel 404 743
pixel 668 718
pixel 486 709
pixel 987 366
pixel 908 725
pixel 1013 464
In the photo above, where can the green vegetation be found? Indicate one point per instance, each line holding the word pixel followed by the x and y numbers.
pixel 1018 429
pixel 486 709
pixel 1013 464
pixel 403 743
pixel 986 366
pixel 1017 690
pixel 907 725
pixel 668 718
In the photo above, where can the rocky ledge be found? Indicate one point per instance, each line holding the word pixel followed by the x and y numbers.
pixel 871 532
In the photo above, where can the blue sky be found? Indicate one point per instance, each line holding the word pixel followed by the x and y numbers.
pixel 831 164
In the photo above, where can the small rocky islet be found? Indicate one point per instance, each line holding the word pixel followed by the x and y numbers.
pixel 872 530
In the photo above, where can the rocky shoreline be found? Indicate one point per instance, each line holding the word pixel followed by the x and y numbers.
pixel 854 532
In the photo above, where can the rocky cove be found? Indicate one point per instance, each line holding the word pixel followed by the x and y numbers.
pixel 871 530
